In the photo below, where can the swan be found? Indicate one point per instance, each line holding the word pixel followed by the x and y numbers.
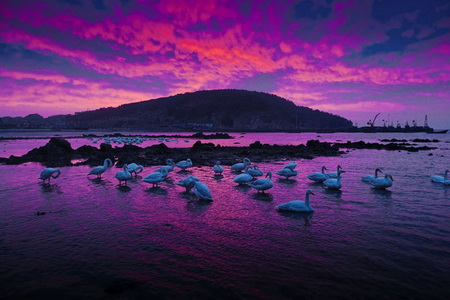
pixel 186 182
pixel 369 178
pixel 48 173
pixel 201 190
pixel 335 174
pixel 156 177
pixel 184 164
pixel 241 166
pixel 255 172
pixel 123 175
pixel 382 182
pixel 439 178
pixel 101 169
pixel 291 165
pixel 170 165
pixel 334 183
pixel 218 169
pixel 319 177
pixel 263 184
pixel 286 172
pixel 298 205
pixel 135 168
pixel 446 182
pixel 243 178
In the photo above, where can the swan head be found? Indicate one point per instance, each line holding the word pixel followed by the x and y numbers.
pixel 339 167
pixel 309 192
pixel 125 167
pixel 324 168
pixel 169 161
pixel 269 174
pixel 378 170
pixel 388 176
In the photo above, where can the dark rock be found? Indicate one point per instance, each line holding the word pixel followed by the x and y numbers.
pixel 256 145
pixel 105 147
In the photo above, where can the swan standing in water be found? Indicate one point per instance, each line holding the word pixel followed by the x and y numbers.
pixel 335 174
pixel 382 182
pixel 186 182
pixel 369 178
pixel 287 172
pixel 123 175
pixel 298 205
pixel 255 172
pixel 291 165
pixel 241 166
pixel 48 173
pixel 319 177
pixel 439 178
pixel 156 177
pixel 135 168
pixel 101 169
pixel 201 190
pixel 263 184
pixel 243 178
pixel 334 183
pixel 170 165
pixel 184 164
pixel 218 169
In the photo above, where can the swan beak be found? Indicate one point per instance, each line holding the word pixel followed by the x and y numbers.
pixel 312 193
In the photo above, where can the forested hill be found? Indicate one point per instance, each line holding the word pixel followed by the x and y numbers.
pixel 225 110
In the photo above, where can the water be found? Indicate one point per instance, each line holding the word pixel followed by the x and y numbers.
pixel 162 243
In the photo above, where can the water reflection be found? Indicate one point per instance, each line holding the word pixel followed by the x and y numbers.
pixel 286 181
pixel 97 180
pixel 124 188
pixel 50 188
pixel 198 206
pixel 306 217
pixel 157 190
pixel 262 196
pixel 242 188
pixel 386 193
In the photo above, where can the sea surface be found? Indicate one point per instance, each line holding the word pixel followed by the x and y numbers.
pixel 97 240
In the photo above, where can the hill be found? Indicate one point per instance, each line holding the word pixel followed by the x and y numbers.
pixel 213 110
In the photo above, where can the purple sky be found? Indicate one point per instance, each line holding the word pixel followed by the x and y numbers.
pixel 351 58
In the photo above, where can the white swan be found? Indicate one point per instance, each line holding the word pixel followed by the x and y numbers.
pixel 369 178
pixel 439 178
pixel 286 172
pixel 335 174
pixel 241 166
pixel 170 165
pixel 255 172
pixel 123 175
pixel 263 184
pixel 291 165
pixel 243 178
pixel 201 190
pixel 298 205
pixel 218 169
pixel 48 173
pixel 382 182
pixel 101 169
pixel 319 177
pixel 334 183
pixel 156 177
pixel 184 164
pixel 135 168
pixel 186 182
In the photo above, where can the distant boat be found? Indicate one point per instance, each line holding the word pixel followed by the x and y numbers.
pixel 439 131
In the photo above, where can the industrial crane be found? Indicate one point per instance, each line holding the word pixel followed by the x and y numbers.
pixel 371 123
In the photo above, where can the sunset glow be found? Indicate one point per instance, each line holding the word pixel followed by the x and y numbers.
pixel 351 58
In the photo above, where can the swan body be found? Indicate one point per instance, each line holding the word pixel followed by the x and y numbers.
pixel 439 178
pixel 243 178
pixel 254 172
pixel 170 165
pixel 286 172
pixel 263 184
pixel 201 190
pixel 218 169
pixel 123 175
pixel 186 182
pixel 101 169
pixel 335 174
pixel 334 183
pixel 184 164
pixel 135 169
pixel 319 177
pixel 382 182
pixel 298 205
pixel 156 177
pixel 48 173
pixel 369 178
pixel 241 166
pixel 291 165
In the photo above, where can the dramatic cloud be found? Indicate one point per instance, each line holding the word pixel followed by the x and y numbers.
pixel 352 58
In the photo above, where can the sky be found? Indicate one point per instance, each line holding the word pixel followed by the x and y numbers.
pixel 353 58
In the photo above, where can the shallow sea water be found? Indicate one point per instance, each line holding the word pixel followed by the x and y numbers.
pixel 161 243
